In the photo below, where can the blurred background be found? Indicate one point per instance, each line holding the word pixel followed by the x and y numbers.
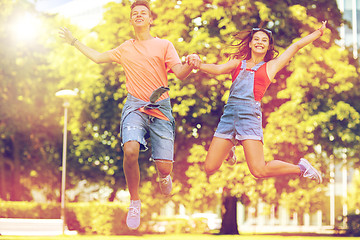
pixel 312 110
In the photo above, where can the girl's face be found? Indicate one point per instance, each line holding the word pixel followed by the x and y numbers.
pixel 260 42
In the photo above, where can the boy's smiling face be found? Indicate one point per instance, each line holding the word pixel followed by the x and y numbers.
pixel 140 16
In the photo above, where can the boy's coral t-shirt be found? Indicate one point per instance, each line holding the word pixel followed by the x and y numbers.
pixel 146 64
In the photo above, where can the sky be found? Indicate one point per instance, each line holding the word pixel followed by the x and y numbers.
pixel 49 4
pixel 85 13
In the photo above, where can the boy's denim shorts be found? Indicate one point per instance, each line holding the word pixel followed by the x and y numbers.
pixel 138 126
pixel 241 121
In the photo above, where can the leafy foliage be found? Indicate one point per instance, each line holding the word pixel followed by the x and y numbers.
pixel 30 136
pixel 310 110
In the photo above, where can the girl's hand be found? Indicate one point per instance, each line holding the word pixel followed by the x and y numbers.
pixel 193 60
pixel 323 27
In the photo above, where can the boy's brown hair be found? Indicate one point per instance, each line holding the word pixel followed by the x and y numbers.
pixel 141 3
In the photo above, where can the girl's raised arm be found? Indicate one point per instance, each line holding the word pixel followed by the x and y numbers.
pixel 275 65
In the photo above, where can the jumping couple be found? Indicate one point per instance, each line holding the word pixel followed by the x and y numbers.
pixel 147 111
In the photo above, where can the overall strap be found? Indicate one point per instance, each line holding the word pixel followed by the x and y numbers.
pixel 257 66
pixel 243 64
pixel 238 69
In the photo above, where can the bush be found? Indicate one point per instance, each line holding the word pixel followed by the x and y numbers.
pixel 103 218
pixel 29 210
pixel 353 223
pixel 90 218
pixel 98 218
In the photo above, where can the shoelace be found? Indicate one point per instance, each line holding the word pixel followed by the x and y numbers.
pixel 309 175
pixel 165 180
pixel 133 211
pixel 232 157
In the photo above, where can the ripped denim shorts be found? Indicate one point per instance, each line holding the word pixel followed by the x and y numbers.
pixel 138 126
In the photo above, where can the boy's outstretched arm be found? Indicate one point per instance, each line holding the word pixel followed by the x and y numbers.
pixel 92 54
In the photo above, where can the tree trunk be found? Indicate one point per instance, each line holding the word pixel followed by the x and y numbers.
pixel 15 189
pixel 2 180
pixel 229 217
pixel 6 168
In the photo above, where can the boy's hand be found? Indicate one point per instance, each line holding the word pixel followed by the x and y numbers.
pixel 193 60
pixel 65 34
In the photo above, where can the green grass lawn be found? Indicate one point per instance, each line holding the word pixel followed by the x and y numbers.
pixel 182 237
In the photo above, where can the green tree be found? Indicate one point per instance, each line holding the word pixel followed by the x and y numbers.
pixel 205 27
pixel 321 117
pixel 209 28
pixel 312 103
pixel 29 120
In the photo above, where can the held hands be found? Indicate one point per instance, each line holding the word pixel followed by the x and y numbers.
pixel 193 60
pixel 65 34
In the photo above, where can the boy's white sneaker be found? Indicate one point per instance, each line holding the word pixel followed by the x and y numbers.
pixel 165 184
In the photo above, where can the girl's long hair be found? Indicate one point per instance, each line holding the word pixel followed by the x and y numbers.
pixel 242 49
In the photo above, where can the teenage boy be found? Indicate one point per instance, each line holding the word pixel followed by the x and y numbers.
pixel 146 61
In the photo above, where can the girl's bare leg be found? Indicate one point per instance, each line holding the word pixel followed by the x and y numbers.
pixel 218 151
pixel 254 155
